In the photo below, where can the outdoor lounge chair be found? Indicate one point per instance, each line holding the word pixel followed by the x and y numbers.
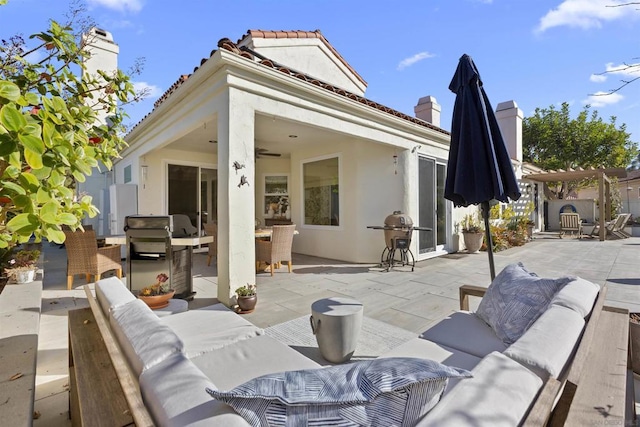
pixel 614 228
pixel 570 222
pixel 277 249
pixel 85 257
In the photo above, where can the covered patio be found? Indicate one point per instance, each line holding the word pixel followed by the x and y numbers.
pixel 601 175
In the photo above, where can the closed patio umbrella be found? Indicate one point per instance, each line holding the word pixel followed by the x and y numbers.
pixel 479 169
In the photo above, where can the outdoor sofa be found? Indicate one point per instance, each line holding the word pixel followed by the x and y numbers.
pixel 163 365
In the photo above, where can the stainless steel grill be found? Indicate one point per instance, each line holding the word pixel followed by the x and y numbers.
pixel 150 252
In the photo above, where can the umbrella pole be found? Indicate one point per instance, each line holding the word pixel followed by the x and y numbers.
pixel 487 231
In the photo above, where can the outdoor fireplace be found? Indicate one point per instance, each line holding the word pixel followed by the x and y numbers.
pixel 150 252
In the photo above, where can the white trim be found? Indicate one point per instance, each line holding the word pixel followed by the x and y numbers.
pixel 339 227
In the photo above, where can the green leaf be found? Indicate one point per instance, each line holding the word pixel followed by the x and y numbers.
pixel 7 145
pixel 11 118
pixel 67 219
pixel 33 159
pixel 32 143
pixel 23 202
pixel 24 224
pixel 48 132
pixel 79 176
pixel 32 129
pixel 9 90
pixel 42 196
pixel 49 212
pixel 56 179
pixel 8 185
pixel 32 98
pixel 55 236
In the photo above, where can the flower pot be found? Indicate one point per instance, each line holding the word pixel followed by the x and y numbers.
pixel 24 276
pixel 473 241
pixel 157 301
pixel 247 304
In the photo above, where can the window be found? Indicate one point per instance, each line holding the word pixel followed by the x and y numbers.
pixel 276 196
pixel 321 192
pixel 127 174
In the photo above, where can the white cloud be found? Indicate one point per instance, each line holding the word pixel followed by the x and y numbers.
pixel 407 62
pixel 602 99
pixel 119 5
pixel 583 14
pixel 151 90
pixel 597 78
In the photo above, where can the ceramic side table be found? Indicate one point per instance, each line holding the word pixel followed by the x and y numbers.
pixel 336 323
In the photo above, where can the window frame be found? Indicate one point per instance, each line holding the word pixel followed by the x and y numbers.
pixel 340 226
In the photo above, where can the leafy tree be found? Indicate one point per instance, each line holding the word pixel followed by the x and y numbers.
pixel 553 140
pixel 50 132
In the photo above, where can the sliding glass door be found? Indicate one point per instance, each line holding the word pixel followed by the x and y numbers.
pixel 431 205
pixel 193 192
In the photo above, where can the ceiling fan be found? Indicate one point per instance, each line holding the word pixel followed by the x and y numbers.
pixel 263 152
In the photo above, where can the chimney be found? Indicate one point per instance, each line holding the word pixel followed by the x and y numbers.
pixel 103 55
pixel 428 110
pixel 510 122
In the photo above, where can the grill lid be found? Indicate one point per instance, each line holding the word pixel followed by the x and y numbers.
pixel 398 219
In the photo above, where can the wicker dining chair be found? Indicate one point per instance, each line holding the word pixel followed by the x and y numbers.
pixel 276 250
pixel 211 229
pixel 85 257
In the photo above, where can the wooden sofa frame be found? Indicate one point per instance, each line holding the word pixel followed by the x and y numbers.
pixel 596 387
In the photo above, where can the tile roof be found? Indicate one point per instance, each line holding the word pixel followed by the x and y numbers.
pixel 245 52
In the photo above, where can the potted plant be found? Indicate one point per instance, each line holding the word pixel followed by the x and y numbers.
pixel 157 295
pixel 22 267
pixel 472 233
pixel 247 298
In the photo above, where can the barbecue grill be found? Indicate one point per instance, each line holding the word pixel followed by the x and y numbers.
pixel 398 228
pixel 150 252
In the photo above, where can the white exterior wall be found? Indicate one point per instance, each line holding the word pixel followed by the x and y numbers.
pixel 312 57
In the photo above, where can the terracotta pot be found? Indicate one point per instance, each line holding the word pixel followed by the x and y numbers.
pixel 473 241
pixel 248 303
pixel 157 301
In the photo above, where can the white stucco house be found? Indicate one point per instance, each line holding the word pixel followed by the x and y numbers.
pixel 276 127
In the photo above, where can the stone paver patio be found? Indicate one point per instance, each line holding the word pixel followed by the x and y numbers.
pixel 409 300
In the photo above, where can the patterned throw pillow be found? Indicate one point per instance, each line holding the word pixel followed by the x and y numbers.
pixel 382 392
pixel 515 299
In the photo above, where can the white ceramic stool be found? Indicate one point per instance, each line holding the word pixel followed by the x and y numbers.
pixel 336 323
pixel 175 306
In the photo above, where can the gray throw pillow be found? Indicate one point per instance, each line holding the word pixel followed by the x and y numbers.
pixel 382 392
pixel 515 299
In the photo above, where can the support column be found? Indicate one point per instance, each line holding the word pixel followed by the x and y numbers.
pixel 236 196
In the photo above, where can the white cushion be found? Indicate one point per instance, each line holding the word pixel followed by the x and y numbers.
pixel 578 295
pixel 174 392
pixel 465 331
pixel 515 299
pixel 143 339
pixel 547 345
pixel 112 293
pixel 237 363
pixel 498 395
pixel 425 349
pixel 378 392
pixel 209 328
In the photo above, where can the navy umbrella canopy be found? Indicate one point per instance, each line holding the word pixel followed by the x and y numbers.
pixel 479 168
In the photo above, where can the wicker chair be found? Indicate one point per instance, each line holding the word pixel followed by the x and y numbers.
pixel 85 257
pixel 212 230
pixel 276 250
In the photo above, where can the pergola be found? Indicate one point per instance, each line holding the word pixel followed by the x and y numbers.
pixel 604 186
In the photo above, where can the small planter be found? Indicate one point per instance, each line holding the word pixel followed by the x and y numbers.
pixel 246 304
pixel 472 241
pixel 23 276
pixel 634 335
pixel 157 301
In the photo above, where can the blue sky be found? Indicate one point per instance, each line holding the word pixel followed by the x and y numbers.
pixel 537 53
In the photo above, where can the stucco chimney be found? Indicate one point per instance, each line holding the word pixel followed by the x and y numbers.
pixel 510 122
pixel 428 110
pixel 103 55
